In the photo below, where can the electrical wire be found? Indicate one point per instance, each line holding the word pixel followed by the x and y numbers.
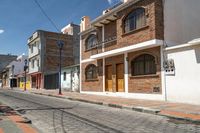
pixel 46 15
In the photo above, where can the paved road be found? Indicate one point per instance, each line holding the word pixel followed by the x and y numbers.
pixel 54 115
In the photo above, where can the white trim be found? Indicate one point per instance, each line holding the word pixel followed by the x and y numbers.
pixel 87 60
pixel 190 44
pixel 163 80
pixel 177 47
pixel 195 41
pixel 80 75
pixel 104 78
pixel 128 95
pixel 126 72
pixel 134 47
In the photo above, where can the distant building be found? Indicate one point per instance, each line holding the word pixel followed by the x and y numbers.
pixel 70 74
pixel 4 61
pixel 44 57
pixel 12 72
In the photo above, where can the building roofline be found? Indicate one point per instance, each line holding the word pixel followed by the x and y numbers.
pixel 67 26
pixel 114 11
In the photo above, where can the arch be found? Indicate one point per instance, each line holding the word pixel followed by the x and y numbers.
pixel 91 72
pixel 134 20
pixel 144 64
pixel 91 41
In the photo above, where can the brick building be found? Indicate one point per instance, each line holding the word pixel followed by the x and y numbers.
pixel 147 49
pixel 44 57
pixel 121 50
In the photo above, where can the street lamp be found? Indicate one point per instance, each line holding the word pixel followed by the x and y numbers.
pixel 12 69
pixel 25 68
pixel 60 46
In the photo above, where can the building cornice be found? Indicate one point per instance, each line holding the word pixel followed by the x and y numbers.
pixel 114 11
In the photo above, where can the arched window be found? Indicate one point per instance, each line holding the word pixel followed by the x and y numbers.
pixel 91 72
pixel 91 41
pixel 135 20
pixel 143 65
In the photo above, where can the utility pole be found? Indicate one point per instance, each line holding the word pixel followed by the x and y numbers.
pixel 25 68
pixel 12 69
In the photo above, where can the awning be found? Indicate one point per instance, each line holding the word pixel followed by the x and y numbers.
pixel 132 48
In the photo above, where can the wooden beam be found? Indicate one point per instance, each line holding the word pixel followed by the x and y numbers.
pixel 109 20
pixel 103 23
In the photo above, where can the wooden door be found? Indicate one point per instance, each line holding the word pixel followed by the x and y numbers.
pixel 109 82
pixel 120 77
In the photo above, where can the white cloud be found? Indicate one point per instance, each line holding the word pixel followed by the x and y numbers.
pixel 1 31
pixel 113 1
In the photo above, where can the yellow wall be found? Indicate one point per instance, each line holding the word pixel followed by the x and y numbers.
pixel 28 85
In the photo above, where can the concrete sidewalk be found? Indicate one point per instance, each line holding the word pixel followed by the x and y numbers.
pixel 173 110
pixel 11 122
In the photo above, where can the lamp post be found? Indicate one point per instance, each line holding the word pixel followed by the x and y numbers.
pixel 25 68
pixel 60 46
pixel 12 76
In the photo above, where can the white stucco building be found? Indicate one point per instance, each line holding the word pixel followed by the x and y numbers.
pixel 14 69
pixel 182 30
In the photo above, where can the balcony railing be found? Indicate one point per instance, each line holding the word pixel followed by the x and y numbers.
pixel 97 48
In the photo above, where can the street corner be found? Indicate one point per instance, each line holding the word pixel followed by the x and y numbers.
pixel 11 121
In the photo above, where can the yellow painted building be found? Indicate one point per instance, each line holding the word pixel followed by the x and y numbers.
pixel 21 83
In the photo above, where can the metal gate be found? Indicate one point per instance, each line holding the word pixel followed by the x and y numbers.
pixel 51 81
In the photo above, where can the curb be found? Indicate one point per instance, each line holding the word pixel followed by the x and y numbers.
pixel 146 110
pixel 180 118
pixel 137 108
pixel 86 101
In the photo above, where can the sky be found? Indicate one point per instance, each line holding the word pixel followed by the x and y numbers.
pixel 20 18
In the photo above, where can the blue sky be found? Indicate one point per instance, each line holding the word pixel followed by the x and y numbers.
pixel 20 18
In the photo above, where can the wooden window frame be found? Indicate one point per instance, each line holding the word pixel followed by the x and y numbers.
pixel 143 59
pixel 93 69
pixel 134 13
pixel 87 47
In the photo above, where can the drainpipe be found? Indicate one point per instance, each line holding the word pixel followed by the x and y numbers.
pixel 163 54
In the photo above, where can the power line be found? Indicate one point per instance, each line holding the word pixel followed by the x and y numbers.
pixel 46 15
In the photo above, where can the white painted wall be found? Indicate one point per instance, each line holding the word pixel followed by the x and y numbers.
pixel 184 86
pixel 18 65
pixel 36 48
pixel 72 79
pixel 66 84
pixel 36 68
pixel 181 20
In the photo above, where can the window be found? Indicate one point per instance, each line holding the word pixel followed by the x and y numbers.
pixel 91 41
pixel 33 63
pixel 38 44
pixel 64 76
pixel 31 48
pixel 38 63
pixel 143 65
pixel 91 72
pixel 135 20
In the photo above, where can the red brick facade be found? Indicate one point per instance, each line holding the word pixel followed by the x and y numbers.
pixel 152 30
pixel 147 83
pixel 95 85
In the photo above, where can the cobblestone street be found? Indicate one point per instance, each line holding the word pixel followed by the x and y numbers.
pixel 55 115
